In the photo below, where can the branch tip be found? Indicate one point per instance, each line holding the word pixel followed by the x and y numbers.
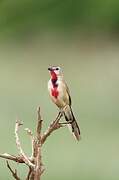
pixel 29 132
pixel 19 123
pixel 14 172
pixel 38 110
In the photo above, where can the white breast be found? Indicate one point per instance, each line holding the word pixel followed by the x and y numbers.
pixel 63 97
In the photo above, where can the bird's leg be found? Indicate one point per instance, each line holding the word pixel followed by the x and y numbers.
pixel 59 116
pixel 61 113
pixel 69 122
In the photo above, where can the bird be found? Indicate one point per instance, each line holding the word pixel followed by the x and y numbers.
pixel 60 95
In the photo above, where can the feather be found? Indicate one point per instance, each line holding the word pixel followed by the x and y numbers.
pixel 73 125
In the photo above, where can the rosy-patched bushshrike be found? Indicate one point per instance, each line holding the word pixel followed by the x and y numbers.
pixel 60 95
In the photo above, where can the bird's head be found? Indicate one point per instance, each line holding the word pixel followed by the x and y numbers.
pixel 55 72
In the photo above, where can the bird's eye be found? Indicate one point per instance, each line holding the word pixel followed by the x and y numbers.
pixel 57 69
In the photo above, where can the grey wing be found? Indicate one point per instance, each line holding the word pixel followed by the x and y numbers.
pixel 68 92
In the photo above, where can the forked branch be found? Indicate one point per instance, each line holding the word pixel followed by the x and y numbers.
pixel 34 162
pixel 14 173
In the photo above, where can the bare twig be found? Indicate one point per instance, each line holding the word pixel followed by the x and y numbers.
pixel 53 126
pixel 14 173
pixel 29 174
pixel 18 159
pixel 42 171
pixel 34 162
pixel 38 160
pixel 26 160
pixel 39 124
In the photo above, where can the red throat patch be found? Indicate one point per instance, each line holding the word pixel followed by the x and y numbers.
pixel 53 75
pixel 55 92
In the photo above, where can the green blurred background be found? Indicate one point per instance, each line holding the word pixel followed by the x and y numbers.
pixel 82 38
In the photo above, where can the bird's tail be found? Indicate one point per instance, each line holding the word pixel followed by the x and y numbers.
pixel 73 125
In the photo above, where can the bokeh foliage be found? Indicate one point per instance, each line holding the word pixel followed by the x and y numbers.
pixel 18 18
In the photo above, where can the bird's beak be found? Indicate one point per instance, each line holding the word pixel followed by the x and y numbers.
pixel 49 69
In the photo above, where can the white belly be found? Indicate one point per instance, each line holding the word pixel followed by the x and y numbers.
pixel 63 98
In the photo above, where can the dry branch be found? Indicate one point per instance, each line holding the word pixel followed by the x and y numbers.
pixel 34 162
pixel 25 158
pixel 7 156
pixel 29 174
pixel 14 173
pixel 53 126
pixel 39 125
